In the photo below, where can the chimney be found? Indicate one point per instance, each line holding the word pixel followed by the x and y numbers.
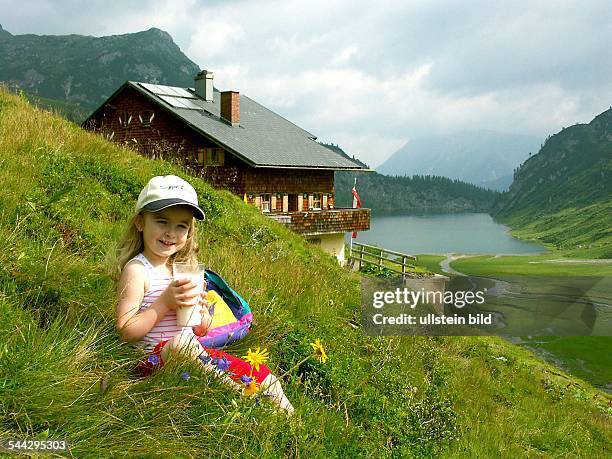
pixel 204 85
pixel 230 107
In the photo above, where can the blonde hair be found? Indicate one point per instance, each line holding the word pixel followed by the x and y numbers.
pixel 131 244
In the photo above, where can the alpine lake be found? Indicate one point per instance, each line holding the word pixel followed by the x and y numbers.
pixel 473 247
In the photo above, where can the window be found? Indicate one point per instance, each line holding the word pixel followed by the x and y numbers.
pixel 146 118
pixel 213 156
pixel 210 156
pixel 316 201
pixel 265 202
pixel 125 119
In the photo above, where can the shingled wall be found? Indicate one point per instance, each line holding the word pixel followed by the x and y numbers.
pixel 169 137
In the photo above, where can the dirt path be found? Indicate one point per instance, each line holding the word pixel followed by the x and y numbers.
pixel 446 267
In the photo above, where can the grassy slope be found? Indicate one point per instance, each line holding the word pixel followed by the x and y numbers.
pixel 548 264
pixel 588 357
pixel 65 196
pixel 578 232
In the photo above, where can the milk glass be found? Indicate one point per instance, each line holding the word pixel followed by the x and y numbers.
pixel 189 316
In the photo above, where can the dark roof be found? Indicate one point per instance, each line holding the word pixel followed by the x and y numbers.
pixel 262 139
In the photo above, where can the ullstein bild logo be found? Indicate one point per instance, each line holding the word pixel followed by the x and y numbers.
pixel 506 306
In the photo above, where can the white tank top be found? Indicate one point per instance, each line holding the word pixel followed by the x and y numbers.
pixel 167 327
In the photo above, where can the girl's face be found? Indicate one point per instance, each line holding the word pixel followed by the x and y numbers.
pixel 165 232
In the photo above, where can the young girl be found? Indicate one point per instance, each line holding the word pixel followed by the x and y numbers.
pixel 161 232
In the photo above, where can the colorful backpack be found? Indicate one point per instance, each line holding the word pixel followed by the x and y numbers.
pixel 231 330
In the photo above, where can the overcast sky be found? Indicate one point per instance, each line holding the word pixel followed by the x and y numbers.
pixel 371 75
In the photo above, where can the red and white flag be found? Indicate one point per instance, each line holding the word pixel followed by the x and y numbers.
pixel 356 203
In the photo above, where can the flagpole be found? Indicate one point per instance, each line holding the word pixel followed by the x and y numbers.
pixel 351 246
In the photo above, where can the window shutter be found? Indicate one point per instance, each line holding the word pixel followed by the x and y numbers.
pixel 310 199
pixel 258 202
pixel 273 203
pixel 324 201
pixel 300 203
pixel 285 203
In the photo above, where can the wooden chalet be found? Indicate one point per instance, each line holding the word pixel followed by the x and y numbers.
pixel 235 143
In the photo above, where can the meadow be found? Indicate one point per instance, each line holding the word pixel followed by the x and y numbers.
pixel 587 357
pixel 64 373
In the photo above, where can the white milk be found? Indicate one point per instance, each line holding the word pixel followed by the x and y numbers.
pixel 190 316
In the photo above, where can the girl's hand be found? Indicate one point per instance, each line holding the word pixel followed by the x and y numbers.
pixel 180 293
pixel 202 329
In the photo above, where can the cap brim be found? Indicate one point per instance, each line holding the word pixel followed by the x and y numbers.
pixel 165 203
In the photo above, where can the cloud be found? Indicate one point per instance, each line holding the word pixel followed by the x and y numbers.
pixel 368 77
pixel 214 39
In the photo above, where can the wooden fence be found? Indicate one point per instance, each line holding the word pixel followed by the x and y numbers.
pixel 377 256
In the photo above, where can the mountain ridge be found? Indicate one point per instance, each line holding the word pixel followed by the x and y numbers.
pixel 478 157
pixel 97 66
pixel 562 194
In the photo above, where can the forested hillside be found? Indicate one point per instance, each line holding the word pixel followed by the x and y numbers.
pixel 410 195
pixel 562 194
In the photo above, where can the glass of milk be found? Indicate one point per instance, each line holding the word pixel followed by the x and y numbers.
pixel 189 316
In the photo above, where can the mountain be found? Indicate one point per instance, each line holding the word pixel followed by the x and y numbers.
pixel 572 169
pixel 479 157
pixel 4 35
pixel 409 195
pixel 85 70
pixel 340 151
pixel 562 194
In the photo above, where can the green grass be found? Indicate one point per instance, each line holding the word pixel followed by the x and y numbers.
pixel 549 264
pixel 583 232
pixel 587 357
pixel 431 263
pixel 63 372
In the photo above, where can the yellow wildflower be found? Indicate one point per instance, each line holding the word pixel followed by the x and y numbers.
pixel 257 357
pixel 319 351
pixel 251 388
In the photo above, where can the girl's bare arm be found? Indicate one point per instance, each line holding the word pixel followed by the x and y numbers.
pixel 134 325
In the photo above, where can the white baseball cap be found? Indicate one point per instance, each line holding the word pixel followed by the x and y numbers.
pixel 166 191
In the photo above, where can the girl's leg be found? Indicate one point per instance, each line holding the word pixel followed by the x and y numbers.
pixel 268 383
pixel 271 387
pixel 187 343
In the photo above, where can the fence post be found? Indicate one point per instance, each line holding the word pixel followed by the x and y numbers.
pixel 360 257
pixel 403 267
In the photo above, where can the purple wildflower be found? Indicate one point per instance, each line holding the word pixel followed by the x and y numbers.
pixel 153 359
pixel 223 364
pixel 185 376
pixel 205 358
pixel 246 379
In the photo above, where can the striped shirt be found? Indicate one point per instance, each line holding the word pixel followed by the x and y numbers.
pixel 167 327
